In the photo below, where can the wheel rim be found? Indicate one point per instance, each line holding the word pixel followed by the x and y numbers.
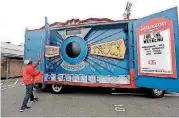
pixel 158 92
pixel 56 88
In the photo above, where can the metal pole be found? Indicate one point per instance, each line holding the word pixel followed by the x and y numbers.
pixel 7 70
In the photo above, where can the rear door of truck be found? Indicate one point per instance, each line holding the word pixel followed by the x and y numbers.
pixel 34 45
pixel 156 40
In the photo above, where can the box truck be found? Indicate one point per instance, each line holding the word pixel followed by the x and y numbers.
pixel 136 53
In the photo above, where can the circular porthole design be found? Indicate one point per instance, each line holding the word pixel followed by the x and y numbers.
pixel 73 50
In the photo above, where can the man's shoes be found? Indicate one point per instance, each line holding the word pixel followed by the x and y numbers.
pixel 34 100
pixel 23 108
pixel 27 107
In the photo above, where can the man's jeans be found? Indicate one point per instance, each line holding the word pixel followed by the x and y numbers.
pixel 29 94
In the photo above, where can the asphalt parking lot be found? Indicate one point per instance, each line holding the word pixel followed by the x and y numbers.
pixel 90 102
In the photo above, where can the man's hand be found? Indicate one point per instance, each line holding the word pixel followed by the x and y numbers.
pixel 40 58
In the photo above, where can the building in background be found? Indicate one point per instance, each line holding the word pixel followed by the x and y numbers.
pixel 11 60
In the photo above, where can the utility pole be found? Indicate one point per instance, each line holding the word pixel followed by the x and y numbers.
pixel 7 69
pixel 127 13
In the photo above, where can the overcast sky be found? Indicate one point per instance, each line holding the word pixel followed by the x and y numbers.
pixel 16 15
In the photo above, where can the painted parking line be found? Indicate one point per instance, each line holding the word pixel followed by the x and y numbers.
pixel 16 82
pixel 138 94
pixel 6 86
pixel 9 86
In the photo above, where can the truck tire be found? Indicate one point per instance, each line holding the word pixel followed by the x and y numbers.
pixel 156 93
pixel 56 88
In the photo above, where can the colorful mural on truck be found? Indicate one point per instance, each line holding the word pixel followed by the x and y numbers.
pixel 88 55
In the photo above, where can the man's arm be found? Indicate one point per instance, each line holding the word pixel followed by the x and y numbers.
pixel 37 63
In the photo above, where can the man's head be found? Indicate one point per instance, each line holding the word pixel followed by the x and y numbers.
pixel 28 61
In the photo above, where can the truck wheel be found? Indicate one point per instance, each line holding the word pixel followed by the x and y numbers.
pixel 56 88
pixel 156 93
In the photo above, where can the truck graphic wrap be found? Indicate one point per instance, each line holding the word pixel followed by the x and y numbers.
pixel 99 53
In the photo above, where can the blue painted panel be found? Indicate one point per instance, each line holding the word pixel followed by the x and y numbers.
pixel 34 45
pixel 171 84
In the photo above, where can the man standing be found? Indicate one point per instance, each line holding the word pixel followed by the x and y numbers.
pixel 29 73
